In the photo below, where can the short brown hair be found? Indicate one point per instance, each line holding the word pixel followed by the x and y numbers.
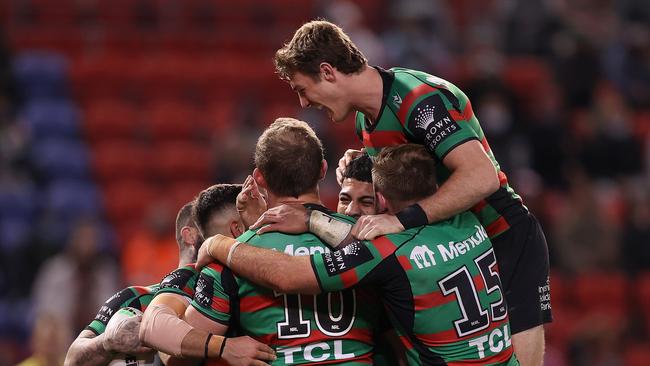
pixel 404 173
pixel 315 42
pixel 289 155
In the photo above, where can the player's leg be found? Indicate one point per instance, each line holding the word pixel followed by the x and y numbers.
pixel 529 346
pixel 522 256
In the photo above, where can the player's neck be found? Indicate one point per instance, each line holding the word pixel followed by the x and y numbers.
pixel 309 197
pixel 367 90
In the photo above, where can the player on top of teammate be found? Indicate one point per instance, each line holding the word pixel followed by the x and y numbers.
pixel 399 105
pixel 439 282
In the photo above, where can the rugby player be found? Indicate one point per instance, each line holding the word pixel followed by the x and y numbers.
pixel 439 282
pixel 400 105
pixel 334 328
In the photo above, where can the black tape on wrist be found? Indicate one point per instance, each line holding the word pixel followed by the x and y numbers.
pixel 412 216
pixel 223 345
pixel 207 342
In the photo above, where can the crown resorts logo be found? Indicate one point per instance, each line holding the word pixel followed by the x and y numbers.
pixel 425 117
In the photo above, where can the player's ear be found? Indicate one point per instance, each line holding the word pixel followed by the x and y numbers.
pixel 189 235
pixel 259 178
pixel 327 71
pixel 381 202
pixel 323 169
pixel 236 228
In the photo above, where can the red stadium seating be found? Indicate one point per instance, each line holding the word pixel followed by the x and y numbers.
pixel 601 291
pixel 126 201
pixel 171 120
pixel 637 355
pixel 117 160
pixel 109 119
pixel 182 161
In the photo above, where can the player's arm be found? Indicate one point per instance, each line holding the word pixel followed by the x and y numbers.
pixel 297 219
pixel 295 274
pixel 88 349
pixel 93 347
pixel 265 267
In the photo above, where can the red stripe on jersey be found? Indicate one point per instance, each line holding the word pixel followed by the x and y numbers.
pixel 497 227
pixel 436 298
pixel 486 145
pixel 410 98
pixel 450 336
pixel 404 262
pixel 349 278
pixel 250 304
pixel 220 304
pixel 465 115
pixel 500 357
pixel 479 206
pixel 406 342
pixel 355 334
pixel 381 139
pixel 141 290
pixel 384 246
pixel 216 266
pixel 503 180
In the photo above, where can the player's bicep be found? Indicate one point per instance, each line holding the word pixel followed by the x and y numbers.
pixel 176 302
pixel 110 307
pixel 438 128
pixel 198 320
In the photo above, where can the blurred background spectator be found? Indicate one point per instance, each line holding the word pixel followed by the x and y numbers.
pixel 121 111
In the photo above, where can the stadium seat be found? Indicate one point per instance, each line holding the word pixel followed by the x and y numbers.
pixel 109 119
pixel 183 191
pixel 41 74
pixel 51 118
pixel 171 120
pixel 637 354
pixel 124 159
pixel 60 159
pixel 19 200
pixel 14 232
pixel 601 291
pixel 183 160
pixel 70 199
pixel 125 201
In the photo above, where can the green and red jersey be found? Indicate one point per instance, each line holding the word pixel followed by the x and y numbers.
pixel 424 109
pixel 180 281
pixel 331 328
pixel 440 285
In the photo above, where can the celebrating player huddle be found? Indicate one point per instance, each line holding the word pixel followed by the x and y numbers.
pixel 431 259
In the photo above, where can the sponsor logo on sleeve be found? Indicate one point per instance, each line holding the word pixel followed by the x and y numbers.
pixel 204 291
pixel 397 100
pixel 433 121
pixel 348 257
pixel 177 279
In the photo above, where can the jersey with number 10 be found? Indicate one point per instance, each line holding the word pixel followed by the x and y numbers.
pixel 331 328
pixel 423 109
pixel 440 285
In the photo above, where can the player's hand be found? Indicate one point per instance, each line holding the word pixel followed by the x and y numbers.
pixel 371 226
pixel 244 351
pixel 250 202
pixel 349 155
pixel 286 218
pixel 124 337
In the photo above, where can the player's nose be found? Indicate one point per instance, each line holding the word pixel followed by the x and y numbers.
pixel 304 102
pixel 353 210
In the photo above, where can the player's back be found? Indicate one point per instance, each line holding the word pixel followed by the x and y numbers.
pixel 329 328
pixel 460 311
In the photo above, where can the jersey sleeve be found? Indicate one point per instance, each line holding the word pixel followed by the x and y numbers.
pixel 129 297
pixel 346 267
pixel 437 123
pixel 181 281
pixel 215 288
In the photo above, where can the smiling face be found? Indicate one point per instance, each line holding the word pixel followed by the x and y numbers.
pixel 324 93
pixel 356 198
